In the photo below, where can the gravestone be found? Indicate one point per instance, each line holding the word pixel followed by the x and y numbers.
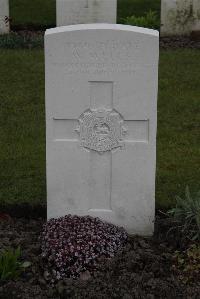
pixel 4 16
pixel 180 17
pixel 101 97
pixel 70 12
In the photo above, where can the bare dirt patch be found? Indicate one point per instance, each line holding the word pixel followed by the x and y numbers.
pixel 141 270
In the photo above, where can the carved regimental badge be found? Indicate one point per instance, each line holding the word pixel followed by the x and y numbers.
pixel 101 130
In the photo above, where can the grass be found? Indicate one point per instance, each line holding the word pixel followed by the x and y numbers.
pixel 178 150
pixel 22 126
pixel 127 8
pixel 41 14
pixel 14 40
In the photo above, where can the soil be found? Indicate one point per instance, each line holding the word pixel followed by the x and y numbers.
pixel 141 270
pixel 192 42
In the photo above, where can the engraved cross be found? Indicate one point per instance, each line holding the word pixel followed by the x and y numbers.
pixel 101 129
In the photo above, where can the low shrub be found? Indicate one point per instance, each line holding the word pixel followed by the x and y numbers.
pixel 187 215
pixel 9 264
pixel 15 41
pixel 73 244
pixel 149 20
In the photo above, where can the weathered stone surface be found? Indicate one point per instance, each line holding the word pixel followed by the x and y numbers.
pixel 180 17
pixel 101 98
pixel 4 16
pixel 69 12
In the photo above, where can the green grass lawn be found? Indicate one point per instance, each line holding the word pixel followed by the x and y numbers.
pixel 22 126
pixel 33 13
pixel 136 7
pixel 42 13
pixel 178 147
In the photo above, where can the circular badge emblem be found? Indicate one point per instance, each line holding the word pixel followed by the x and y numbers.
pixel 101 130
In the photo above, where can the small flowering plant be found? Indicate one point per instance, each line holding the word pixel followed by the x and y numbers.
pixel 73 244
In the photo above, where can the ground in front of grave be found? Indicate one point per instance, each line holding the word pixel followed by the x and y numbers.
pixel 141 270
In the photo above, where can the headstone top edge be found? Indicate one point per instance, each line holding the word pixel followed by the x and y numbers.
pixel 102 26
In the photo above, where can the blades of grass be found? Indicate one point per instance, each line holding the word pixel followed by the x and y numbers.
pixel 187 211
pixel 9 264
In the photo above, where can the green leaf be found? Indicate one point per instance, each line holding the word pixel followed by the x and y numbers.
pixel 26 264
pixel 9 264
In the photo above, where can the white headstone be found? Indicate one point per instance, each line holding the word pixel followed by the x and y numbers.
pixel 196 8
pixel 180 17
pixel 101 98
pixel 4 16
pixel 69 12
